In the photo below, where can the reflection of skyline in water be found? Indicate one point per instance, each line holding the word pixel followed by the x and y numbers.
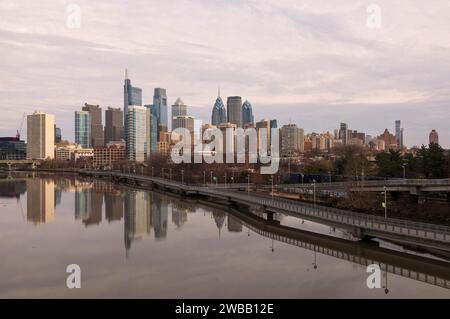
pixel 142 211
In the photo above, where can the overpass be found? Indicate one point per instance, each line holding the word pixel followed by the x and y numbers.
pixel 413 186
pixel 416 234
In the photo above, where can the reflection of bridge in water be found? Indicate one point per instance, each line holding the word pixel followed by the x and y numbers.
pixel 430 271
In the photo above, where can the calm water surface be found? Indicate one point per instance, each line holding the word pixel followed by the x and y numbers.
pixel 139 244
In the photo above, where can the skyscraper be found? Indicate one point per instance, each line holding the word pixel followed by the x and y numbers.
pixel 434 137
pixel 58 135
pixel 343 135
pixel 40 200
pixel 131 95
pixel 83 129
pixel 178 109
pixel 160 105
pixel 399 134
pixel 247 113
pixel 137 127
pixel 40 136
pixel 219 114
pixel 234 110
pixel 95 115
pixel 153 130
pixel 113 125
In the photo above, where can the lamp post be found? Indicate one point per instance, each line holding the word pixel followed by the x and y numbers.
pixel 211 177
pixel 302 175
pixel 248 184
pixel 385 202
pixel 182 176
pixel 153 171
pixel 271 178
pixel 404 171
pixel 162 172
pixel 225 179
pixel 314 184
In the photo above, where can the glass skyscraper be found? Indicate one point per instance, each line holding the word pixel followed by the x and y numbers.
pixel 219 114
pixel 153 130
pixel 83 129
pixel 234 110
pixel 160 105
pixel 247 113
pixel 132 95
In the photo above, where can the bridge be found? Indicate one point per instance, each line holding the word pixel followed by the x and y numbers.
pixel 413 186
pixel 11 164
pixel 435 238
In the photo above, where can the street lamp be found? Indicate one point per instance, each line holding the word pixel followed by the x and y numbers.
pixel 182 176
pixel 211 177
pixel 314 184
pixel 215 179
pixel 302 175
pixel 153 171
pixel 225 176
pixel 271 178
pixel 162 172
pixel 248 183
pixel 404 171
pixel 385 202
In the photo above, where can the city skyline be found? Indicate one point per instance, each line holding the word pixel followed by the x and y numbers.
pixel 396 72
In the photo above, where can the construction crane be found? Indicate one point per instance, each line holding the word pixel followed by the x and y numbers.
pixel 21 126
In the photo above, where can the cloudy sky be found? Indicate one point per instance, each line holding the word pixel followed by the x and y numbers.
pixel 315 63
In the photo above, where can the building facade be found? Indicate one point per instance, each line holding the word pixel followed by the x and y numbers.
pixel 178 109
pixel 292 140
pixel 83 129
pixel 234 110
pixel 12 148
pixel 95 115
pixel 40 136
pixel 107 156
pixel 219 113
pixel 114 130
pixel 160 109
pixel 137 127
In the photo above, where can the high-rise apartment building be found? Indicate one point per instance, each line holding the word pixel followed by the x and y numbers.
pixel 399 134
pixel 234 110
pixel 138 138
pixel 83 129
pixel 219 113
pixel 40 136
pixel 113 125
pixel 434 137
pixel 95 114
pixel 292 140
pixel 58 135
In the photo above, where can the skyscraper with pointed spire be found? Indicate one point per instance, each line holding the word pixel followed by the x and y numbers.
pixel 247 113
pixel 219 113
pixel 131 95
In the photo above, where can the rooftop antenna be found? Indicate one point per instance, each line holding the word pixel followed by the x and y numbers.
pixel 126 73
pixel 218 91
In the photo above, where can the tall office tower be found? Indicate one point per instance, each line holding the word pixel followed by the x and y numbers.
pixel 234 110
pixel 292 140
pixel 83 129
pixel 40 136
pixel 247 113
pixel 178 109
pixel 95 115
pixel 113 125
pixel 219 114
pixel 138 138
pixel 434 137
pixel 131 95
pixel 263 124
pixel 343 135
pixel 58 135
pixel 160 105
pixel 153 130
pixel 185 121
pixel 40 200
pixel 399 134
